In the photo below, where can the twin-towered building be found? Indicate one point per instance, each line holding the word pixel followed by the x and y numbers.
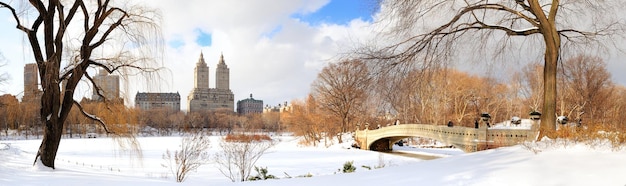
pixel 203 98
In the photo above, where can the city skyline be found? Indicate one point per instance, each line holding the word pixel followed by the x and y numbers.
pixel 273 52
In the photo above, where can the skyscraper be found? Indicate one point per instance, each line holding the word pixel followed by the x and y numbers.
pixel 31 85
pixel 109 86
pixel 203 98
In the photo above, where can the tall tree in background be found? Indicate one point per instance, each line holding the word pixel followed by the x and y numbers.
pixel 529 81
pixel 119 39
pixel 431 32
pixel 587 82
pixel 342 89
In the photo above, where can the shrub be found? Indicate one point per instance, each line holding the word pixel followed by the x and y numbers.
pixel 348 167
pixel 261 174
pixel 592 135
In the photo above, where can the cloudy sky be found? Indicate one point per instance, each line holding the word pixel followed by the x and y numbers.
pixel 274 49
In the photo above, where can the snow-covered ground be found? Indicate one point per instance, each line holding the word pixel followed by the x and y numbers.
pixel 101 162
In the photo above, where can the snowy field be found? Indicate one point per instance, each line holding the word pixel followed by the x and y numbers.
pixel 101 162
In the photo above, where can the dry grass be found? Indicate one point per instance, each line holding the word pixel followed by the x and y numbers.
pixel 592 135
pixel 247 138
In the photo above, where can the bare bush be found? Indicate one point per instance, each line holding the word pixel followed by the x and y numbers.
pixel 239 155
pixel 381 161
pixel 193 154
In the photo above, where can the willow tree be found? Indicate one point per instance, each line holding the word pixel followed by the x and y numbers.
pixel 68 38
pixel 430 32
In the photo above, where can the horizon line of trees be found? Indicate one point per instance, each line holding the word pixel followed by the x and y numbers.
pixel 23 117
pixel 349 94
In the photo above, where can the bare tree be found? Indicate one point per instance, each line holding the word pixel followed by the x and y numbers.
pixel 305 119
pixel 8 112
pixel 431 32
pixel 192 154
pixel 239 155
pixel 118 39
pixel 616 111
pixel 531 88
pixel 588 87
pixel 342 89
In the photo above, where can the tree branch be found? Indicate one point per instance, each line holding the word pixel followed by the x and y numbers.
pixel 96 88
pixel 19 25
pixel 115 68
pixel 92 117
pixel 111 28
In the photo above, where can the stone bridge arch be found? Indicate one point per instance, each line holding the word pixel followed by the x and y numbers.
pixel 464 138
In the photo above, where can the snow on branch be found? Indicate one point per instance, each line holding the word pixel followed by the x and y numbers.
pixel 96 88
pixel 92 117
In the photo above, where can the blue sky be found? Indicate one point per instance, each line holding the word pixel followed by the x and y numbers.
pixel 339 12
pixel 273 52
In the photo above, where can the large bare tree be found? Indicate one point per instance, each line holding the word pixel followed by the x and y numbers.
pixel 429 33
pixel 69 37
pixel 342 89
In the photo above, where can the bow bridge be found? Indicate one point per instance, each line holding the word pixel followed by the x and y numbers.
pixel 465 138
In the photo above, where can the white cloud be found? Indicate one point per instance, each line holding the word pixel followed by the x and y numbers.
pixel 269 53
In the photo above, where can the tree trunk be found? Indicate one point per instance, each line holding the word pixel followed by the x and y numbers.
pixel 50 143
pixel 51 114
pixel 548 118
pixel 552 40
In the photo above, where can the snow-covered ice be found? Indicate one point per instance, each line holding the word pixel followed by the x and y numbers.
pixel 101 162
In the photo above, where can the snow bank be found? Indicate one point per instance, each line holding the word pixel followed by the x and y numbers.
pixel 94 162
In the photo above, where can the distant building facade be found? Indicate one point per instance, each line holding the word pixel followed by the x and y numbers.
pixel 249 105
pixel 31 85
pixel 280 108
pixel 203 98
pixel 109 86
pixel 150 101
